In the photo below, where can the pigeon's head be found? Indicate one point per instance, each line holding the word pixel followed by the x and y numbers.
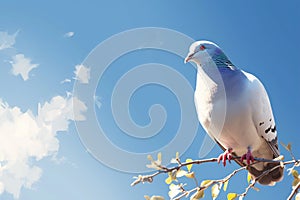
pixel 203 51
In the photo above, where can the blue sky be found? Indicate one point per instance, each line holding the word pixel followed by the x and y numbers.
pixel 45 156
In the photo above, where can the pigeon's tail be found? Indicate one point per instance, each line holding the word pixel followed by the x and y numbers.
pixel 275 173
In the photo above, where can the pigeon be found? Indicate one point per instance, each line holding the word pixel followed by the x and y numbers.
pixel 234 109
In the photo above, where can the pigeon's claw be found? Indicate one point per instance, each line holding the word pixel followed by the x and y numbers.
pixel 248 157
pixel 225 156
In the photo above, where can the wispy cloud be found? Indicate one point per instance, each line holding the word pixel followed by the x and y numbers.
pixel 82 74
pixel 69 34
pixel 22 65
pixel 26 138
pixel 65 81
pixel 6 40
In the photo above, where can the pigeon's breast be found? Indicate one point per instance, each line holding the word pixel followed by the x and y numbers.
pixel 224 112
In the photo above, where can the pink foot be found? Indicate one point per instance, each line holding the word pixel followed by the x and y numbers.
pixel 248 157
pixel 225 156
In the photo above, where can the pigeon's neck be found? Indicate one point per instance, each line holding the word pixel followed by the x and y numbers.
pixel 222 61
pixel 212 74
pixel 214 66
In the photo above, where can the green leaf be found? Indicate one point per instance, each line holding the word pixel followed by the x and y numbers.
pixel 232 196
pixel 189 167
pixel 225 185
pixel 197 195
pixel 249 177
pixel 215 190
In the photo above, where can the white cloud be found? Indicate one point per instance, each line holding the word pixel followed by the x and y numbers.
pixel 82 74
pixel 26 138
pixel 66 81
pixel 6 40
pixel 22 66
pixel 69 34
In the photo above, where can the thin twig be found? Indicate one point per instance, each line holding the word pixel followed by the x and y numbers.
pixel 143 179
pixel 257 179
pixel 212 183
pixel 294 191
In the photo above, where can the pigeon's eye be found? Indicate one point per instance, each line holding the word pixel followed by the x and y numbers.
pixel 202 47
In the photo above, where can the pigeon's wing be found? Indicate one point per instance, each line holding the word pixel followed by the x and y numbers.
pixel 262 114
pixel 264 122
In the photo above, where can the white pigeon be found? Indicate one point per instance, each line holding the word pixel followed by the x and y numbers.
pixel 234 109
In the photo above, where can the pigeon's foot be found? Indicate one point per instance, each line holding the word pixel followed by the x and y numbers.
pixel 248 157
pixel 225 156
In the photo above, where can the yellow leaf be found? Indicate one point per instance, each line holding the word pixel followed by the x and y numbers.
pixel 197 195
pixel 169 180
pixel 231 196
pixel 157 198
pixel 177 155
pixel 225 185
pixel 256 189
pixel 149 157
pixel 282 165
pixel 215 190
pixel 189 167
pixel 174 190
pixel 159 156
pixel 205 183
pixel 249 177
pixel 147 197
pixel 295 173
pixel 297 196
pixel 295 182
pixel 181 173
pixel 190 175
pixel 287 147
pixel 281 157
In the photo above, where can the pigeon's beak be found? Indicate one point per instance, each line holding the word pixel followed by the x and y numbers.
pixel 188 58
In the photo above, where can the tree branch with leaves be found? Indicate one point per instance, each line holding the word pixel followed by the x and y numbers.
pixel 179 170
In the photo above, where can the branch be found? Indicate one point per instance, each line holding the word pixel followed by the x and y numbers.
pixel 143 179
pixel 294 191
pixel 227 178
pixel 163 169
pixel 258 178
pixel 176 172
